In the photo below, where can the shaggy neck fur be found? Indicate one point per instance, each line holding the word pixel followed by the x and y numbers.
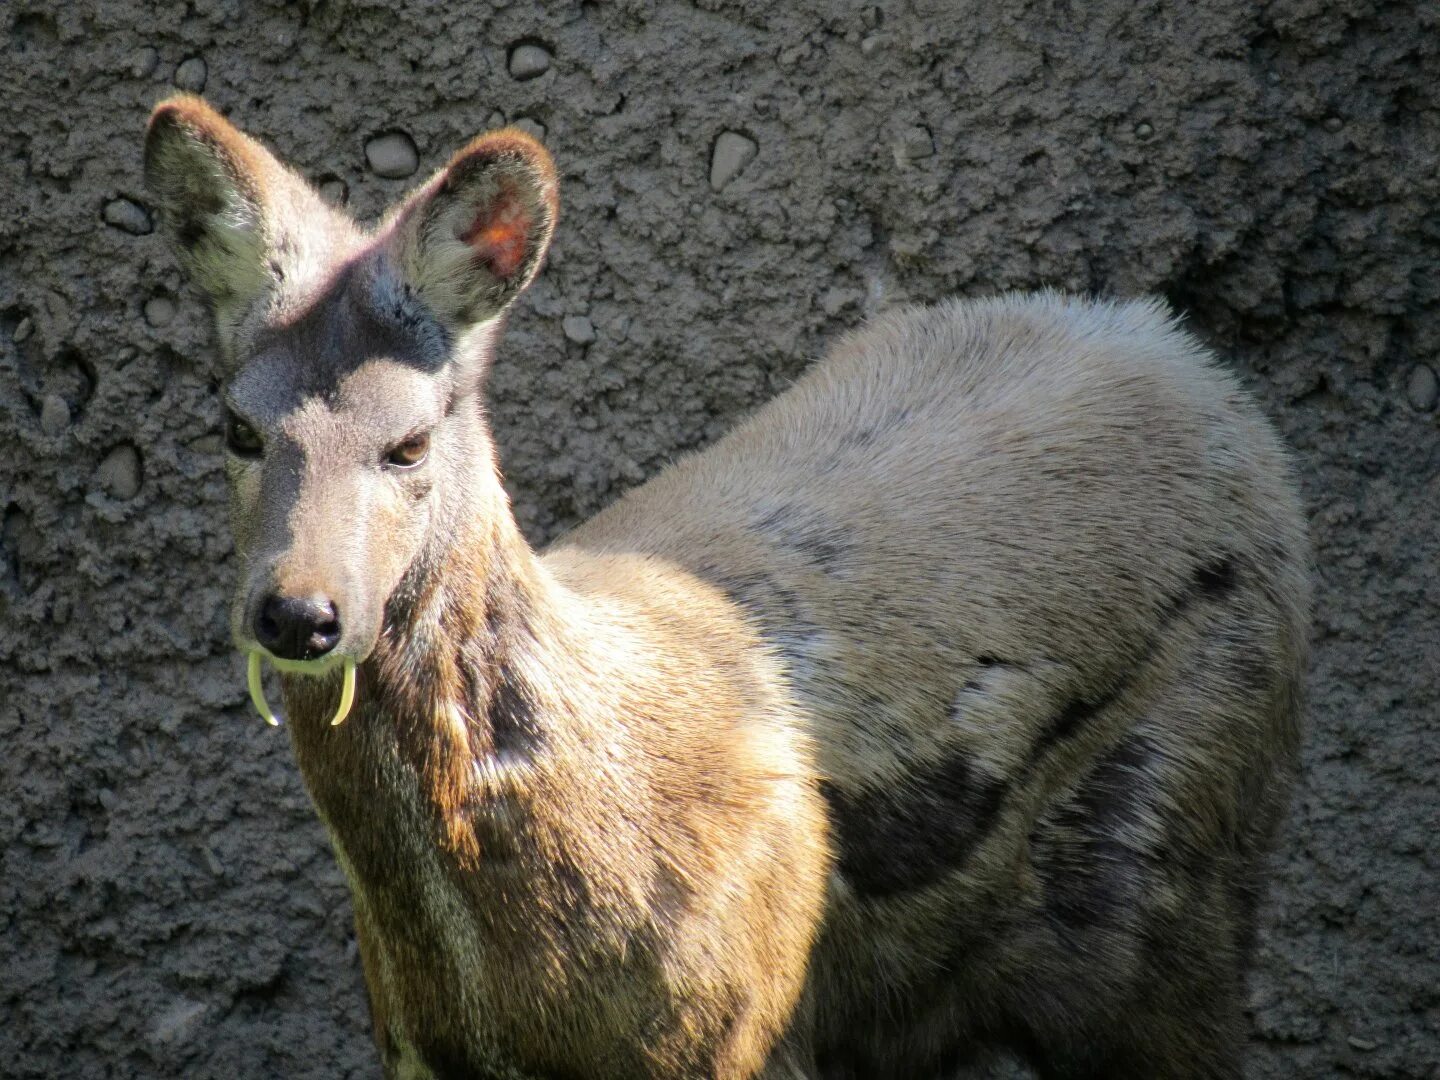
pixel 448 718
pixel 527 810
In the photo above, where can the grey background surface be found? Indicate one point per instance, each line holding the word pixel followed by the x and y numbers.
pixel 168 904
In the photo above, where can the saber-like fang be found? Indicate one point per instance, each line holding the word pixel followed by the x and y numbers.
pixel 257 691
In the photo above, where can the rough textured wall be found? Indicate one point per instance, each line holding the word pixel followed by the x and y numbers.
pixel 742 181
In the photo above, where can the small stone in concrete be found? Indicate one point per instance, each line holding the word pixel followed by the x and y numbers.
pixel 732 153
pixel 159 311
pixel 1143 130
pixel 392 155
pixel 54 414
pixel 579 329
pixel 1423 389
pixel 837 300
pixel 23 330
pixel 145 62
pixel 529 62
pixel 334 191
pixel 191 74
pixel 914 143
pixel 531 127
pixel 178 1023
pixel 1333 123
pixel 119 473
pixel 1360 1043
pixel 128 216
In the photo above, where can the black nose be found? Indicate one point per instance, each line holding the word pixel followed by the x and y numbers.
pixel 297 627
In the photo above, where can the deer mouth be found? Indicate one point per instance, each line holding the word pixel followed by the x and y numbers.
pixel 300 667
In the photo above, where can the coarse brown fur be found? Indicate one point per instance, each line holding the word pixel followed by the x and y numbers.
pixel 949 703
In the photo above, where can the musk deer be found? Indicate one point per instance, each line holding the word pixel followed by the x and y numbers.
pixel 949 703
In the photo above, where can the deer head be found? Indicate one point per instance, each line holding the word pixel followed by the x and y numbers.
pixel 357 449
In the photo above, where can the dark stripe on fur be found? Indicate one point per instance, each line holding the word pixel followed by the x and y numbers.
pixel 1094 855
pixel 804 533
pixel 908 838
pixel 1214 581
pixel 1218 579
pixel 1073 716
pixel 511 712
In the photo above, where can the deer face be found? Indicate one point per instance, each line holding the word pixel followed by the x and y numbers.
pixel 354 360
pixel 347 440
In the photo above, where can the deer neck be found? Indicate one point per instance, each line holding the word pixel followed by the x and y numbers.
pixel 457 712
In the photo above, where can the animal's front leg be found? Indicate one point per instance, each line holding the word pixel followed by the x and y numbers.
pixel 790 1063
pixel 793 1057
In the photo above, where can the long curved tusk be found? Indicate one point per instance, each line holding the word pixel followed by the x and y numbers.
pixel 257 692
pixel 347 693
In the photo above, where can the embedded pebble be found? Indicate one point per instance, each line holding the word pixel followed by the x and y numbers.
pixel 1360 1043
pixel 119 473
pixel 529 62
pixel 914 143
pixel 732 153
pixel 1333 123
pixel 334 191
pixel 1423 389
pixel 159 311
pixel 145 62
pixel 128 216
pixel 919 142
pixel 1143 130
pixel 23 330
pixel 579 329
pixel 54 414
pixel 837 300
pixel 191 74
pixel 392 155
pixel 531 127
pixel 178 1023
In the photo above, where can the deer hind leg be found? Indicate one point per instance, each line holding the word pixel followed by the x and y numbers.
pixel 1158 1042
pixel 1151 965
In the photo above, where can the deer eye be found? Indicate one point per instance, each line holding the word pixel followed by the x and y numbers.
pixel 411 452
pixel 241 439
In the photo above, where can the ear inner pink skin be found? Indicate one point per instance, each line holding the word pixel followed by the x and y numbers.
pixel 498 235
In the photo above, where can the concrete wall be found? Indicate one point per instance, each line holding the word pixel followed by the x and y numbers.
pixel 168 905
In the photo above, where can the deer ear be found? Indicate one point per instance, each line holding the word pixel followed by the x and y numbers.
pixel 471 239
pixel 241 222
pixel 209 180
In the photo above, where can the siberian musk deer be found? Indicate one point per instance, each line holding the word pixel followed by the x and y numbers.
pixel 949 703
